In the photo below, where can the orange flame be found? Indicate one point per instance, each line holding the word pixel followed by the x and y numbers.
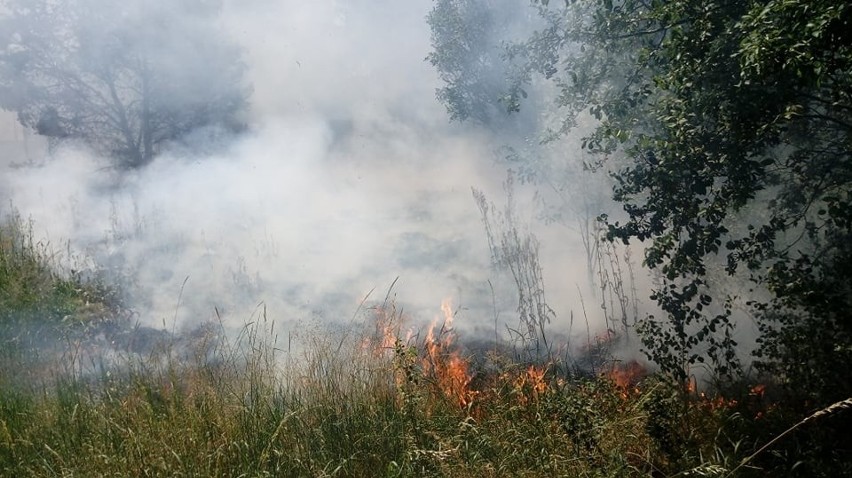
pixel 717 402
pixel 444 365
pixel 691 385
pixel 440 362
pixel 531 384
pixel 626 376
pixel 386 336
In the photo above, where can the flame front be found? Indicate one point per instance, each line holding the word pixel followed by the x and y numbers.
pixel 627 376
pixel 385 336
pixel 443 364
pixel 530 384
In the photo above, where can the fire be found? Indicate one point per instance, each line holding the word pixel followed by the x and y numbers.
pixel 691 385
pixel 626 376
pixel 443 364
pixel 531 384
pixel 386 330
pixel 438 361
pixel 386 336
pixel 536 379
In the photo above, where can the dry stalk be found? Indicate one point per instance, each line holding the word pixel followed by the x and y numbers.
pixel 829 410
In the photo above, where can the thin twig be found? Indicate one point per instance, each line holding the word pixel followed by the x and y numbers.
pixel 829 410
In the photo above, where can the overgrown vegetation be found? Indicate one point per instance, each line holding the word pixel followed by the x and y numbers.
pixel 370 401
pixel 41 307
pixel 354 411
pixel 34 290
pixel 726 127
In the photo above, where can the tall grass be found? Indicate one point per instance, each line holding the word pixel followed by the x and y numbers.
pixel 43 305
pixel 30 288
pixel 363 402
pixel 340 408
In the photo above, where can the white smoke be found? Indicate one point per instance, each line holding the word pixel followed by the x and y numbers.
pixel 350 176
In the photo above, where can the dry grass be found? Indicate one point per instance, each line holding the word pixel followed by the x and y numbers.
pixel 361 403
pixel 341 408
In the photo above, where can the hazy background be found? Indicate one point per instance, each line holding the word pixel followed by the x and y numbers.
pixel 349 176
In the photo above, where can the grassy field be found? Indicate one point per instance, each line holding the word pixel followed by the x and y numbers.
pixel 360 402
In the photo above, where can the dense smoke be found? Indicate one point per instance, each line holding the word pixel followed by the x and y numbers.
pixel 348 176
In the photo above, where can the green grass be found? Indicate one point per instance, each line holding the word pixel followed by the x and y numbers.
pixel 34 292
pixel 334 410
pixel 42 310
pixel 350 404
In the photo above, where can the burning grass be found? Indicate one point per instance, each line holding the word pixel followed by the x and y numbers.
pixel 384 403
pixel 347 406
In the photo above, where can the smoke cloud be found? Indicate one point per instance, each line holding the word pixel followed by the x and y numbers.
pixel 349 176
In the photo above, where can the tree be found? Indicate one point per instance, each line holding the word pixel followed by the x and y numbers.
pixel 732 108
pixel 727 127
pixel 468 53
pixel 125 78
